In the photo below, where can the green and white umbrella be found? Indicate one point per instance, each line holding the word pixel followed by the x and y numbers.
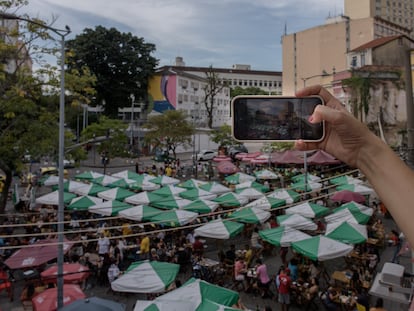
pixel 105 180
pixel 308 177
pixel 231 200
pixel 296 221
pixel 146 277
pixel 165 180
pixel 250 215
pixel 197 193
pixel 122 183
pixel 169 190
pixel 358 188
pixel 52 198
pixel 88 176
pixel 351 212
pixel 69 186
pixel 353 206
pixel 267 203
pixel 109 208
pixel 289 196
pixel 195 294
pixel 250 193
pixel 309 186
pixel 83 203
pixel 192 183
pixel 347 232
pixel 345 180
pixel 143 198
pixel 126 174
pixel 174 218
pixel 219 229
pixel 90 189
pixel 173 202
pixel 215 187
pixel 307 209
pixel 282 236
pixel 321 248
pixel 266 174
pixel 201 206
pixel 143 185
pixel 239 178
pixel 119 194
pixel 253 184
pixel 139 213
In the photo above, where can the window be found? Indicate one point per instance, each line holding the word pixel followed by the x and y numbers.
pixel 354 61
pixel 362 60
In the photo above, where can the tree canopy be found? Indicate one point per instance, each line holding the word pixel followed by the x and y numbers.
pixel 121 62
pixel 169 130
pixel 222 136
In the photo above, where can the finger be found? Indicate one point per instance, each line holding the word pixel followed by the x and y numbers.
pixel 310 90
pixel 325 113
pixel 330 100
pixel 302 145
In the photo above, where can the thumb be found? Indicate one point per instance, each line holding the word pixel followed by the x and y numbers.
pixel 325 113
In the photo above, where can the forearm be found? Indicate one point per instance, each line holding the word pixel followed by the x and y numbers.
pixel 392 180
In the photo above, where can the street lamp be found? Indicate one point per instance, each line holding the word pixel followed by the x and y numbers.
pixel 62 33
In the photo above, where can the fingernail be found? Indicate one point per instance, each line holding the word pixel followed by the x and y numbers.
pixel 310 119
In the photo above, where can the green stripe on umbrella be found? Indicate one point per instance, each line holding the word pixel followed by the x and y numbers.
pixel 239 178
pixel 307 209
pixel 309 177
pixel 201 206
pixel 174 218
pixel 126 174
pixel 289 196
pixel 219 229
pixel 283 236
pixel 250 193
pixel 88 176
pixel 267 203
pixel 169 190
pixel 69 186
pixel 105 180
pixel 171 203
pixel 52 198
pixel 119 194
pixel 83 203
pixel 164 180
pixel 250 215
pixel 266 174
pixel 347 232
pixel 253 184
pixel 231 200
pixel 345 179
pixel 143 198
pixel 358 188
pixel 90 189
pixel 196 193
pixel 109 208
pixel 296 221
pixel 215 187
pixel 192 183
pixel 139 213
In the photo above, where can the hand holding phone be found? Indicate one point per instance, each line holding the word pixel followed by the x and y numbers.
pixel 275 118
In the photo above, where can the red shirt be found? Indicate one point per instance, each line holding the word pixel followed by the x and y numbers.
pixel 285 282
pixel 198 245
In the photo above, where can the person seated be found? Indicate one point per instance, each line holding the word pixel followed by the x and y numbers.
pixel 240 269
pixel 331 300
pixel 198 246
pixel 312 290
pixel 263 279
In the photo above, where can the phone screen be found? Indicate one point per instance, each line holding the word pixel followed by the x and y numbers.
pixel 266 118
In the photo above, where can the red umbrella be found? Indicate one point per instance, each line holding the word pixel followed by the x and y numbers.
pixel 47 300
pixel 72 273
pixel 288 157
pixel 227 167
pixel 37 254
pixel 348 196
pixel 321 157
pixel 221 158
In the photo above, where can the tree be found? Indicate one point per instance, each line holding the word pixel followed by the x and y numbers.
pixel 169 130
pixel 247 91
pixel 222 136
pixel 360 94
pixel 121 62
pixel 212 87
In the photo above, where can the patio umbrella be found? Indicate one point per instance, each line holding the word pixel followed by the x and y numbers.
pixel 172 202
pixel 94 304
pixel 49 180
pixel 251 215
pixel 83 203
pixel 348 215
pixel 165 180
pixel 253 184
pixel 192 183
pixel 47 300
pixel 219 229
pixel 250 193
pixel 222 158
pixel 105 180
pixel 89 176
pixel 227 167
pixel 73 273
pixel 174 218
pixel 90 189
pixel 354 206
pixel 139 213
pixel 358 188
pixel 321 248
pixel 345 180
pixel 309 177
pixel 231 200
pixel 289 196
pixel 201 206
pixel 309 186
pixel 69 186
pixel 36 254
pixel 296 221
pixel 200 293
pixel 321 157
pixel 119 194
pixel 143 198
pixel 267 203
pixel 261 159
pixel 179 305
pixel 239 178
pixel 266 174
pixel 282 236
pixel 122 183
pixel 146 277
pixel 215 187
pixel 169 190
pixel 196 193
pixel 109 208
pixel 52 198
pixel 307 209
pixel 143 185
pixel 126 174
pixel 347 232
pixel 347 196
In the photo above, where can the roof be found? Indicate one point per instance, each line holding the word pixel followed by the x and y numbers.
pixel 376 43
pixel 221 70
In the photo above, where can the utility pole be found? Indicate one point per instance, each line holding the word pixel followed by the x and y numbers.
pixel 410 107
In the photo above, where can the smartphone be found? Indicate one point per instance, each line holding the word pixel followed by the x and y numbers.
pixel 275 118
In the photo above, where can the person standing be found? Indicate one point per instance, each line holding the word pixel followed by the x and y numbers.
pixel 103 245
pixel 263 279
pixel 284 289
pixel 144 247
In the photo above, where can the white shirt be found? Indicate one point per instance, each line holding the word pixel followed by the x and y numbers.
pixel 103 245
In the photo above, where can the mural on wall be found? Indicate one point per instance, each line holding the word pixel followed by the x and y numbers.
pixel 162 90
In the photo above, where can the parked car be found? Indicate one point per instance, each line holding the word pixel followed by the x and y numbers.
pixel 162 156
pixel 235 149
pixel 205 155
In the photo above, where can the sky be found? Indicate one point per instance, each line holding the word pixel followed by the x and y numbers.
pixel 220 33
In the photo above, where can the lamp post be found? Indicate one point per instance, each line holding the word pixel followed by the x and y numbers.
pixel 62 33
